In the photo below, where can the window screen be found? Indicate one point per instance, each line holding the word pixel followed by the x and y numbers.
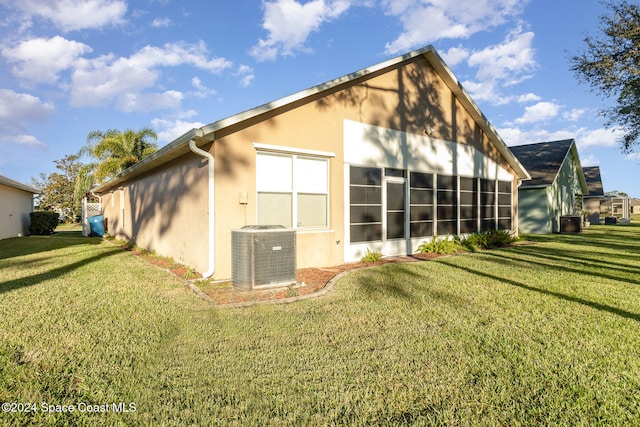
pixel 421 204
pixel 365 191
pixel 504 205
pixel 468 205
pixel 447 202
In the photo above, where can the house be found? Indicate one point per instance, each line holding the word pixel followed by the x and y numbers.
pixel 381 159
pixel 557 184
pixel 591 200
pixel 16 202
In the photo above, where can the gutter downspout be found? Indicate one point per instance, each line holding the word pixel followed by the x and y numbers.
pixel 212 252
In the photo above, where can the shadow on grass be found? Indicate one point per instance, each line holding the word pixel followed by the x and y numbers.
pixel 602 307
pixel 46 246
pixel 20 246
pixel 383 281
pixel 35 279
pixel 617 237
pixel 583 266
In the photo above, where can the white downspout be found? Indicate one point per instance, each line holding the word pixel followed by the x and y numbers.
pixel 212 251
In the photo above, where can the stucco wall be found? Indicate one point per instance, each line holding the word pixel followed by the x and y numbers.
pixel 166 210
pixel 15 206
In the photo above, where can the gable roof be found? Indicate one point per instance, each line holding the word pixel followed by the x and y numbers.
pixel 15 184
pixel 543 160
pixel 594 182
pixel 207 133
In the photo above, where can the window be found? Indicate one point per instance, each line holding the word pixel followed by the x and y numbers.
pixel 447 202
pixel 487 205
pixel 468 205
pixel 504 205
pixel 365 192
pixel 421 204
pixel 292 190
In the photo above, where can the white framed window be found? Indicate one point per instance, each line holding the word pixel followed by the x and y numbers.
pixel 293 190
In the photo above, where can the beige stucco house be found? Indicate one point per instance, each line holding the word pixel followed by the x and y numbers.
pixel 16 202
pixel 381 159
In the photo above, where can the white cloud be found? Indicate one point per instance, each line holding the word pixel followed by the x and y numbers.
pixel 100 81
pixel 509 61
pixel 539 112
pixel 201 90
pixel 41 60
pixel 584 137
pixel 502 64
pixel 161 23
pixel 289 24
pixel 528 97
pixel 130 102
pixel 589 160
pixel 485 91
pixel 168 130
pixel 22 140
pixel 427 21
pixel 632 156
pixel 597 137
pixel 246 75
pixel 455 55
pixel 71 15
pixel 16 109
pixel 574 115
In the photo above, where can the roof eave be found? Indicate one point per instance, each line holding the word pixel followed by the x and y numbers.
pixel 18 185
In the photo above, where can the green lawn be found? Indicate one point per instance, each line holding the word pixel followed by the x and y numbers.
pixel 546 333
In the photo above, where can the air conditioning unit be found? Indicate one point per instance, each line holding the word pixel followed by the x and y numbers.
pixel 263 256
pixel 570 224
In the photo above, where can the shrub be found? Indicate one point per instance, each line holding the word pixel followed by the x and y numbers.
pixel 43 223
pixel 488 240
pixel 371 256
pixel 499 238
pixel 441 246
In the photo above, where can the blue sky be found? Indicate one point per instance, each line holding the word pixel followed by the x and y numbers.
pixel 68 67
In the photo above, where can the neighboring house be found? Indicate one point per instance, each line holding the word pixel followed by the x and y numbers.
pixel 557 183
pixel 16 202
pixel 634 206
pixel 591 201
pixel 380 159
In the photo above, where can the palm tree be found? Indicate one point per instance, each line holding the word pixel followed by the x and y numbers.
pixel 115 150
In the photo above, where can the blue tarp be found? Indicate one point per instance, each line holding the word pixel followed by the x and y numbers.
pixel 96 223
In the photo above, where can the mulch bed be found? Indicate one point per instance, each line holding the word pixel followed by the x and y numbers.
pixel 309 281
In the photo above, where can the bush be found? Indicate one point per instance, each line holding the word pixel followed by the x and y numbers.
pixel 473 243
pixel 371 256
pixel 441 246
pixel 499 238
pixel 43 223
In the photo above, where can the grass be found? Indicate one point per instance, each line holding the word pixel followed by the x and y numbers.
pixel 536 334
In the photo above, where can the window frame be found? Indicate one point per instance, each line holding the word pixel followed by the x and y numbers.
pixel 297 188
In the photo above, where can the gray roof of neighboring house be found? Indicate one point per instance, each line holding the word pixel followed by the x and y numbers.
pixel 594 182
pixel 543 160
pixel 207 133
pixel 15 184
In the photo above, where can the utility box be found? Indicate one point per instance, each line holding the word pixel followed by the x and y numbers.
pixel 263 256
pixel 570 224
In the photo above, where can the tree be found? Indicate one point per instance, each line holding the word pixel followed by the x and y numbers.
pixel 115 151
pixel 611 65
pixel 57 188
